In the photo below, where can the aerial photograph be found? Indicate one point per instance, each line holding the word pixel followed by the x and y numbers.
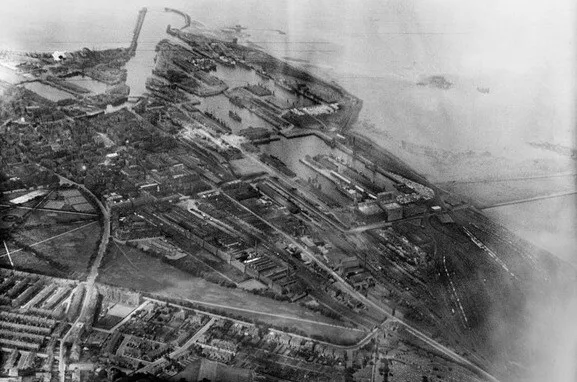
pixel 288 190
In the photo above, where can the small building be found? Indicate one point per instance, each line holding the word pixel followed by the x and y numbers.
pixel 445 218
pixel 369 208
pixel 386 197
pixel 59 56
pixel 347 264
pixel 393 210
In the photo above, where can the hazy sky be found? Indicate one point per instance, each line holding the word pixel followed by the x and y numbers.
pixel 501 34
pixel 528 44
pixel 520 36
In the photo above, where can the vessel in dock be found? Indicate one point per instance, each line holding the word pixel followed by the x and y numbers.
pixel 236 101
pixel 284 86
pixel 263 74
pixel 226 61
pixel 278 164
pixel 243 64
pixel 221 124
pixel 234 116
pixel 348 191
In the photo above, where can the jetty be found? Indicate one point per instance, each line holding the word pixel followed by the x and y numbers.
pixel 186 16
pixel 137 29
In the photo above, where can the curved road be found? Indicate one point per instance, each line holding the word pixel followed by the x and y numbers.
pixel 362 342
pixel 92 274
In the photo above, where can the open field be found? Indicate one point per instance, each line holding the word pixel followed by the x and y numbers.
pixel 201 261
pixel 69 200
pixel 31 234
pixel 53 242
pixel 31 262
pixel 62 250
pixel 136 270
pixel 40 217
pixel 196 261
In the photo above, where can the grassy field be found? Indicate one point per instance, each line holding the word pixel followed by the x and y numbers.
pixel 199 262
pixel 62 250
pixel 30 234
pixel 50 218
pixel 31 262
pixel 131 268
pixel 217 266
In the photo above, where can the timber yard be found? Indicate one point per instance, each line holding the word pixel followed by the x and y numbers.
pixel 227 225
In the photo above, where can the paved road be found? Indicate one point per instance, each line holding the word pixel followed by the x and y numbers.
pixel 93 273
pixel 362 342
pixel 126 319
pixel 384 223
pixel 376 362
pixel 193 339
pixel 292 318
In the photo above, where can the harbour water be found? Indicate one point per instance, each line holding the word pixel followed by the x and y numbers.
pixel 88 83
pixel 237 76
pixel 153 30
pixel 219 106
pixel 47 91
pixel 293 152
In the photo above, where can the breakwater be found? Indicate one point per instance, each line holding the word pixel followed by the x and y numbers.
pixel 187 19
pixel 137 29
